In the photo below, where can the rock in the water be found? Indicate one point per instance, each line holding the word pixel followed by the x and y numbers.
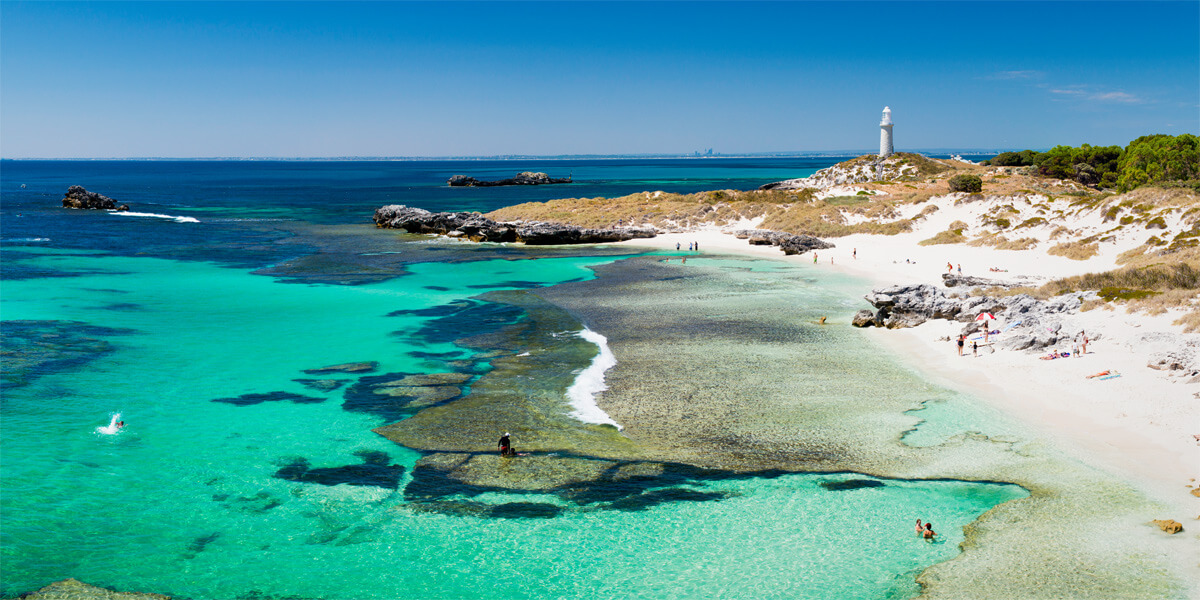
pixel 77 197
pixel 1169 525
pixel 522 178
pixel 477 228
pixel 73 589
pixel 863 318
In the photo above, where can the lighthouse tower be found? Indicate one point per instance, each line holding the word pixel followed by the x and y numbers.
pixel 885 134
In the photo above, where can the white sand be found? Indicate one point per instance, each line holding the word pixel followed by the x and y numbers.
pixel 1138 426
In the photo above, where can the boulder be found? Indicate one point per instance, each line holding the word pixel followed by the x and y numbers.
pixel 77 197
pixel 863 318
pixel 1169 525
pixel 73 589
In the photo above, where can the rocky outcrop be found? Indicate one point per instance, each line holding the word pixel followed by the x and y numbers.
pixel 788 242
pixel 952 280
pixel 477 228
pixel 1035 324
pixel 523 178
pixel 77 197
pixel 1172 353
pixel 1169 525
pixel 73 589
pixel 863 169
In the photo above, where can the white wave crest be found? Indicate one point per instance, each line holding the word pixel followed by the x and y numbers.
pixel 25 240
pixel 591 382
pixel 157 216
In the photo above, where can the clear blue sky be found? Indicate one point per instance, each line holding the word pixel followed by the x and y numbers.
pixel 474 79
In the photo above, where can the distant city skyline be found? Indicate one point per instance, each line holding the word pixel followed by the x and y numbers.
pixel 380 79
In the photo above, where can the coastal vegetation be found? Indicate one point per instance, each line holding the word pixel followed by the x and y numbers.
pixel 971 184
pixel 1150 159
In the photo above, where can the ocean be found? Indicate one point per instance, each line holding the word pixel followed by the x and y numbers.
pixel 312 404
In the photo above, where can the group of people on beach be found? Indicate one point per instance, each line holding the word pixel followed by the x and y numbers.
pixel 692 246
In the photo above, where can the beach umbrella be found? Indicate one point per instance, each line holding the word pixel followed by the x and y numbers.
pixel 985 316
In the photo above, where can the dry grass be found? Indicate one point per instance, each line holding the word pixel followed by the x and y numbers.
pixel 1075 250
pixel 953 235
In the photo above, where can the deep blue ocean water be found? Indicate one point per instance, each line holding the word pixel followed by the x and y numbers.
pixel 196 318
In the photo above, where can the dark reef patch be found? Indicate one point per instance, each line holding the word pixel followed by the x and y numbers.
pixel 251 399
pixel 851 484
pixel 123 307
pixel 32 349
pixel 524 510
pixel 437 288
pixel 373 471
pixel 366 366
pixel 654 498
pixel 394 396
pixel 460 319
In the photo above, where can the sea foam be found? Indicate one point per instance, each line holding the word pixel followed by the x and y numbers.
pixel 591 382
pixel 177 219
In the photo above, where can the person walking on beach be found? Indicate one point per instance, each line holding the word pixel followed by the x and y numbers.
pixel 854 254
pixel 814 258
pixel 505 445
pixel 960 269
pixel 949 268
pixel 1083 347
pixel 975 349
pixel 961 339
pixel 677 246
pixel 697 244
pixel 929 533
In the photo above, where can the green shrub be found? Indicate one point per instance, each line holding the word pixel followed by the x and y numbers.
pixel 971 184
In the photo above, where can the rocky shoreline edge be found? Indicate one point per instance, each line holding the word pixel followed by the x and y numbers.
pixel 1030 324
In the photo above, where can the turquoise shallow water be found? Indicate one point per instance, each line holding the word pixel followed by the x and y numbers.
pixel 156 319
pixel 185 501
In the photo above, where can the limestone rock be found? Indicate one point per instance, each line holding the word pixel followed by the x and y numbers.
pixel 1169 525
pixel 73 589
pixel 790 243
pixel 523 178
pixel 863 318
pixel 477 228
pixel 77 197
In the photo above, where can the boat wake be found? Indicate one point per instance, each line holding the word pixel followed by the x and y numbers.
pixel 591 382
pixel 177 219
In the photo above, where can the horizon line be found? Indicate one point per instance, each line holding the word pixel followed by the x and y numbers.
pixel 784 154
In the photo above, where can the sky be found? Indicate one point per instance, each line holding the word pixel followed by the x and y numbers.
pixel 312 79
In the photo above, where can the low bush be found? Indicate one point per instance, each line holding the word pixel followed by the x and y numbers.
pixel 971 184
pixel 1075 250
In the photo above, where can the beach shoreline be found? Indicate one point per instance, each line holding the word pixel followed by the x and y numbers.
pixel 1135 427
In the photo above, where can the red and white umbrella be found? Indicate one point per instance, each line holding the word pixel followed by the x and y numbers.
pixel 985 316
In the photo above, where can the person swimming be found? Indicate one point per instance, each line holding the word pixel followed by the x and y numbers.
pixel 929 534
pixel 114 426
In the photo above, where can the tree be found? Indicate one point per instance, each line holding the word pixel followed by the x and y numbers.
pixel 1159 157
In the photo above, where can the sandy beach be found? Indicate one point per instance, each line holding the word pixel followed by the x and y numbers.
pixel 1139 426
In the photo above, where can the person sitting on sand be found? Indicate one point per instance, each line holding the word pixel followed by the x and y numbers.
pixel 505 445
pixel 929 533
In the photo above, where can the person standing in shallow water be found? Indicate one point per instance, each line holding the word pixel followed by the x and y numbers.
pixel 505 444
pixel 929 534
pixel 920 528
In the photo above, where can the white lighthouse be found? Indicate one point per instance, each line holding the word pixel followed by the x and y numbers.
pixel 885 134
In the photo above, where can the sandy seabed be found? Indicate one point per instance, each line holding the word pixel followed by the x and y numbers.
pixel 1135 430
